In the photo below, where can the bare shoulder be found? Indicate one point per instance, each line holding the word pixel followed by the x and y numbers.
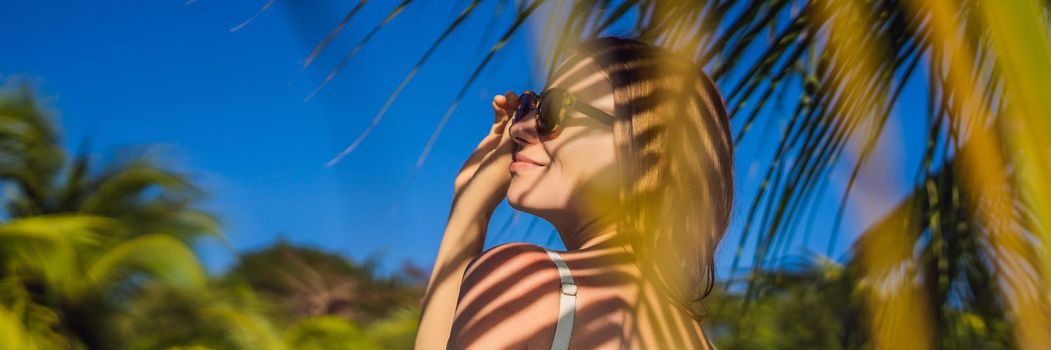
pixel 509 297
pixel 504 258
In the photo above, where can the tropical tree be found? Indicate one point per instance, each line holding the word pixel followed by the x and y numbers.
pixel 324 300
pixel 163 316
pixel 841 66
pixel 75 243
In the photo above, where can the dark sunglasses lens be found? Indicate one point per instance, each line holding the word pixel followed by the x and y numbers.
pixel 551 112
pixel 525 105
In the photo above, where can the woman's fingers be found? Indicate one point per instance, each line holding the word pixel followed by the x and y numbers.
pixel 500 108
pixel 490 157
pixel 503 109
pixel 512 99
pixel 508 102
pixel 497 138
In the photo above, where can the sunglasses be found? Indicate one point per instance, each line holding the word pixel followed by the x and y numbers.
pixel 551 108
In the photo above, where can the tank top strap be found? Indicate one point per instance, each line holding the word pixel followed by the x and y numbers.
pixel 567 303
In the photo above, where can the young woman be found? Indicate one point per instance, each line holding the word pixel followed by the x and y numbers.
pixel 627 153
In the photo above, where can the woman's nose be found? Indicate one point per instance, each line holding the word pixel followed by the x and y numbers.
pixel 523 131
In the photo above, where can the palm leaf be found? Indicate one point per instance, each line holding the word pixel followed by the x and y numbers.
pixel 266 6
pixel 357 48
pixel 15 335
pixel 405 82
pixel 519 20
pixel 332 35
pixel 52 245
pixel 160 256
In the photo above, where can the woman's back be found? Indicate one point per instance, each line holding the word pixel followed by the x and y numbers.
pixel 510 299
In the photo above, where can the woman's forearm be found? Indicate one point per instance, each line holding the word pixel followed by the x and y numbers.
pixel 478 189
pixel 462 241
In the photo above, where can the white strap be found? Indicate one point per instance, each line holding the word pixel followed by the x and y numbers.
pixel 567 303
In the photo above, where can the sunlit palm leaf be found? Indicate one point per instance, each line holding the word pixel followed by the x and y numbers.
pixel 52 246
pixel 127 183
pixel 15 335
pixel 156 255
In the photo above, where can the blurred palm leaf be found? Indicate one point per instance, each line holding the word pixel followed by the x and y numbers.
pixel 15 336
pixel 51 246
pixel 158 255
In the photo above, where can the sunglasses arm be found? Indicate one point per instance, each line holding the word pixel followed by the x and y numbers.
pixel 593 112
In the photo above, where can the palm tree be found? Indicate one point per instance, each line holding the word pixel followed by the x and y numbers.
pixel 76 242
pixel 842 66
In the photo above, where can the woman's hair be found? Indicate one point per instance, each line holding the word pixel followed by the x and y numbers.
pixel 675 157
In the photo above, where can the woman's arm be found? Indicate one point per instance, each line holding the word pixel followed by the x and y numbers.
pixel 478 189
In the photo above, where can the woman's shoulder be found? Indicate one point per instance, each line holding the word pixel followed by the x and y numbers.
pixel 509 292
pixel 507 256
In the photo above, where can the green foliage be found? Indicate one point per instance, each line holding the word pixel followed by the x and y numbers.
pixel 160 316
pixel 398 330
pixel 812 307
pixel 47 247
pixel 309 283
pixel 327 332
pixel 15 335
pixel 158 255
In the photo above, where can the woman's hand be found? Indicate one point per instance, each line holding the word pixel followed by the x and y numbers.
pixel 485 172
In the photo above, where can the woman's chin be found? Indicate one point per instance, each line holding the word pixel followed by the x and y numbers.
pixel 516 199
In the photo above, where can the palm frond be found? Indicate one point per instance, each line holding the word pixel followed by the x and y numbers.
pixel 405 82
pixel 15 335
pixel 519 20
pixel 266 6
pixel 157 255
pixel 332 35
pixel 357 48
pixel 52 245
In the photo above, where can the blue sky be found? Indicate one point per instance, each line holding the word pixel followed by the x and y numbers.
pixel 229 106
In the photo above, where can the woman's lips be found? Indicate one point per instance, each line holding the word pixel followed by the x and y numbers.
pixel 522 162
pixel 516 166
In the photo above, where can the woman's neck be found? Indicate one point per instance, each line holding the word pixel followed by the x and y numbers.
pixel 590 235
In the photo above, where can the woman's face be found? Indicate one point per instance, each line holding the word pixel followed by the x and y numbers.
pixel 574 172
